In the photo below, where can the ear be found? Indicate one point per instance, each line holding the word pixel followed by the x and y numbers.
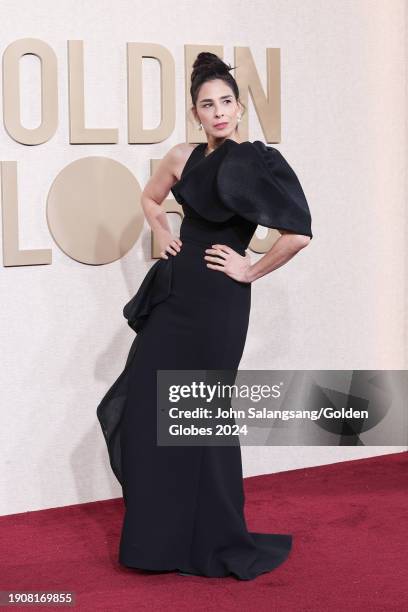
pixel 194 113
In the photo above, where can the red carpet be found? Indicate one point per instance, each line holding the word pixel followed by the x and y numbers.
pixel 350 527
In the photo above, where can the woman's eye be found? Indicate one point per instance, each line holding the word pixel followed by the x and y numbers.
pixel 209 103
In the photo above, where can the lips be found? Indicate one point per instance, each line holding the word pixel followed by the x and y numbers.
pixel 221 125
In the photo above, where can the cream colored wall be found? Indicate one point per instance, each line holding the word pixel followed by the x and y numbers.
pixel 339 305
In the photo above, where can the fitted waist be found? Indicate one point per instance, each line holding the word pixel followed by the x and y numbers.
pixel 204 234
pixel 207 245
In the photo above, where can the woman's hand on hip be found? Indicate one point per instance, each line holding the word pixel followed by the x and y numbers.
pixel 173 247
pixel 223 258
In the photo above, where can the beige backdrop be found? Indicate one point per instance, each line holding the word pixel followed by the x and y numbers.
pixel 339 305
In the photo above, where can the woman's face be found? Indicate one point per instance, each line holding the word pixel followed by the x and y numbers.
pixel 216 104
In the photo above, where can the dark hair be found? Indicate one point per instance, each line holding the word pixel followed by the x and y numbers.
pixel 207 67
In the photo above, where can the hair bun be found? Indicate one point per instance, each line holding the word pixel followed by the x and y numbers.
pixel 209 62
pixel 208 67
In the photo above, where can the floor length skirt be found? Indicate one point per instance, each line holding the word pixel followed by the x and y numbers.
pixel 184 505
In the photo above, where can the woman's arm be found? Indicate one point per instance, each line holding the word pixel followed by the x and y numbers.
pixel 286 247
pixel 156 190
pixel 223 258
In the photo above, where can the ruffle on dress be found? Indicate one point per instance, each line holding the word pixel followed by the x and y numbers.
pixel 251 180
pixel 155 288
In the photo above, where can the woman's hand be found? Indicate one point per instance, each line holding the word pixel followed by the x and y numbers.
pixel 173 248
pixel 231 263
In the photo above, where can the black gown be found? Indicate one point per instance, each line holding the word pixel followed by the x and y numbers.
pixel 184 505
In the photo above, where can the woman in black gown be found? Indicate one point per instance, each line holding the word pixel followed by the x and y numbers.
pixel 184 505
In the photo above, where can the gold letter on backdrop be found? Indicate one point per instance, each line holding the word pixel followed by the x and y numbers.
pixel 267 107
pixel 11 91
pixel 136 132
pixel 93 210
pixel 79 134
pixel 12 255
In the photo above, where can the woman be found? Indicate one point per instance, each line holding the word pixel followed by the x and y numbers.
pixel 185 504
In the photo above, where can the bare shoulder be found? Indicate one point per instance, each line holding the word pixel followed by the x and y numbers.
pixel 167 172
pixel 178 156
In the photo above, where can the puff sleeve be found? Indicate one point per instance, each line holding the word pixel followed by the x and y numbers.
pixel 256 182
pixel 251 180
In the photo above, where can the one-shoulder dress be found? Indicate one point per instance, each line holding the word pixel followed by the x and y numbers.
pixel 184 505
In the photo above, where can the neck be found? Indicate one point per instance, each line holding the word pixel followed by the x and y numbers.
pixel 214 143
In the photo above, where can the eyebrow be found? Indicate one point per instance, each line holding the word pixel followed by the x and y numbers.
pixel 210 99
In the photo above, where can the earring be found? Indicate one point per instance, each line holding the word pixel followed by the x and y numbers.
pixel 200 126
pixel 239 118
